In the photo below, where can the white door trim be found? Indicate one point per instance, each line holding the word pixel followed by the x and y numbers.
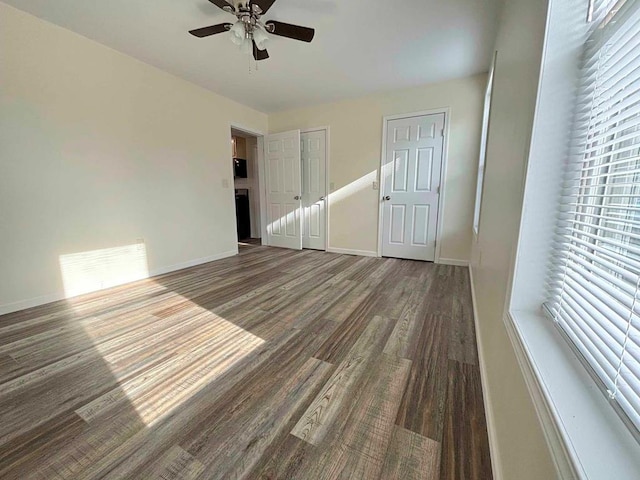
pixel 326 187
pixel 443 171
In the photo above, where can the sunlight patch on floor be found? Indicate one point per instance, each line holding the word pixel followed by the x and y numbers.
pixel 201 349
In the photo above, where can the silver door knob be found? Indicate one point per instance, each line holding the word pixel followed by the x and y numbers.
pixel 321 198
pixel 297 197
pixel 387 198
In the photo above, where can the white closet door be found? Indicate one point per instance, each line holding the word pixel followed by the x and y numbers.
pixel 313 149
pixel 283 185
pixel 411 170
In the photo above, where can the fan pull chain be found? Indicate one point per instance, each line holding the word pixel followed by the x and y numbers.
pixel 251 63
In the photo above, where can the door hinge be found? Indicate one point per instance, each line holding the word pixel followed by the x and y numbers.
pixel 442 132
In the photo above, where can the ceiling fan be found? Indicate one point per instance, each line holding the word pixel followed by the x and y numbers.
pixel 249 32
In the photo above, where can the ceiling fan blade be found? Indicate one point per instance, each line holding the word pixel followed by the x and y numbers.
pixel 212 30
pixel 259 54
pixel 224 5
pixel 263 4
pixel 296 32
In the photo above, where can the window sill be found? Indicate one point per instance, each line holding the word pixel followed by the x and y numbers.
pixel 586 437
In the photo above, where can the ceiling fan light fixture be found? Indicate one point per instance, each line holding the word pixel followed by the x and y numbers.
pixel 237 33
pixel 260 37
pixel 247 47
pixel 250 33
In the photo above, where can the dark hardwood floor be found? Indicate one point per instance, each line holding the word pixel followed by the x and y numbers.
pixel 274 364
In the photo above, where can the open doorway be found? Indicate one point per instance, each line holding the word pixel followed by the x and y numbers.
pixel 246 186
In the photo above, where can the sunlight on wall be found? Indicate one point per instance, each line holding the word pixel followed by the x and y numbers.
pixel 86 272
pixel 285 225
pixel 208 347
pixel 362 183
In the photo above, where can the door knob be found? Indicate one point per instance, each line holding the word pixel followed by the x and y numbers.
pixel 387 198
pixel 321 198
pixel 297 197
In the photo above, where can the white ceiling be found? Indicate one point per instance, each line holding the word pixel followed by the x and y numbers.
pixel 360 47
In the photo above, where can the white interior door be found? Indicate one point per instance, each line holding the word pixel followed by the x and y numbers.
pixel 284 189
pixel 411 172
pixel 313 150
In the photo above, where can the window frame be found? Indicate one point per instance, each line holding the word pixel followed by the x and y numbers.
pixel 484 137
pixel 579 425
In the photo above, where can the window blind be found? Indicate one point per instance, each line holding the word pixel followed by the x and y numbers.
pixel 594 280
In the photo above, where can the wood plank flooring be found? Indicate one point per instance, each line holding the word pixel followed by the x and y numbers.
pixel 274 364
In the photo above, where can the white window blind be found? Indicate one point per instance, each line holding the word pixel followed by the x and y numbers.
pixel 594 282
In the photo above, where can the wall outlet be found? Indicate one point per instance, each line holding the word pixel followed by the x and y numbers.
pixel 375 185
pixel 225 183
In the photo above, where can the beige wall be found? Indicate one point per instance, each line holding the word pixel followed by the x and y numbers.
pixel 520 451
pixel 356 131
pixel 98 150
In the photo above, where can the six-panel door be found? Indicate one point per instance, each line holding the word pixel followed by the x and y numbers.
pixel 282 153
pixel 411 170
pixel 313 151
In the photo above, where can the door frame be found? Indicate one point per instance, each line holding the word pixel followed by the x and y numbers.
pixel 327 197
pixel 443 172
pixel 260 172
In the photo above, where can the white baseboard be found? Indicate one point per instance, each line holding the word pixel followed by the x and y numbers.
pixel 54 297
pixel 31 302
pixel 453 261
pixel 348 251
pixel 192 263
pixel 494 451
